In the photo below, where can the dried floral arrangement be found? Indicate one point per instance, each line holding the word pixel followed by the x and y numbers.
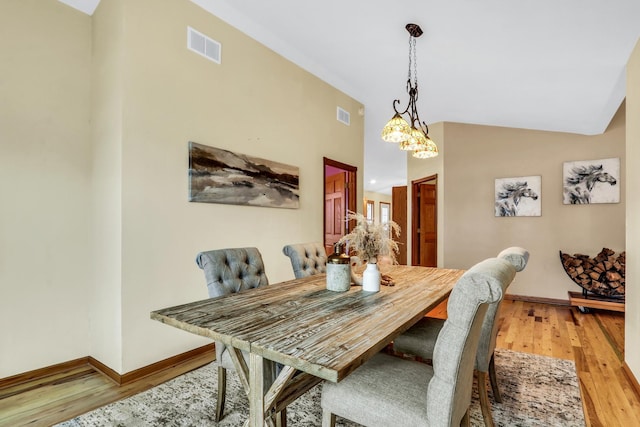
pixel 370 241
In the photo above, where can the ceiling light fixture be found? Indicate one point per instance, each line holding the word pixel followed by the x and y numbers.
pixel 411 134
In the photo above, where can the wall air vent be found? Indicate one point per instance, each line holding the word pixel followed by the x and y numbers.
pixel 203 45
pixel 344 116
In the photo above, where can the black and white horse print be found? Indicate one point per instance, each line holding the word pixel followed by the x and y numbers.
pixel 509 196
pixel 581 181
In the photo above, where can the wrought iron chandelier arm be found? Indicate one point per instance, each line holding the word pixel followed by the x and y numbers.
pixel 406 110
pixel 425 128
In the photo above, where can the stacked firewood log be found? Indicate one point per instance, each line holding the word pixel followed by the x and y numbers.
pixel 602 275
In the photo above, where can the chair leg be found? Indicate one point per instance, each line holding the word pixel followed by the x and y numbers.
pixel 281 418
pixel 484 399
pixel 222 391
pixel 494 382
pixel 328 419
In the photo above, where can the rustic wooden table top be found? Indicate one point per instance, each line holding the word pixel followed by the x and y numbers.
pixel 301 324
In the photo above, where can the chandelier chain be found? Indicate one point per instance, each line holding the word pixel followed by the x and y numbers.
pixel 413 65
pixel 411 43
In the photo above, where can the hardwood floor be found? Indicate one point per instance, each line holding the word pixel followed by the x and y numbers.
pixel 595 341
pixel 60 397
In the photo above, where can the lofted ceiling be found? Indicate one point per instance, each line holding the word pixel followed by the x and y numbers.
pixel 556 65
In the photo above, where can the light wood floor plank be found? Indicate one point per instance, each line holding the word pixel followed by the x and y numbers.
pixel 590 402
pixel 605 366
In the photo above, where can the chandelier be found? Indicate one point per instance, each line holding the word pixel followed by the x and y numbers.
pixel 411 134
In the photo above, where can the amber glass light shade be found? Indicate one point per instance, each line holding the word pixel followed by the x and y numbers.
pixel 396 130
pixel 428 150
pixel 416 140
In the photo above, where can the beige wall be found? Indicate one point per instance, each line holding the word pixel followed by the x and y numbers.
pixel 255 103
pixel 632 315
pixel 45 56
pixel 87 252
pixel 105 290
pixel 476 155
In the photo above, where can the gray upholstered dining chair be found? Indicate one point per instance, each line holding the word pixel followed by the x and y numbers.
pixel 307 259
pixel 420 339
pixel 229 271
pixel 391 391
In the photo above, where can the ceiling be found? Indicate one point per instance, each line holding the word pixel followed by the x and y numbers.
pixel 556 65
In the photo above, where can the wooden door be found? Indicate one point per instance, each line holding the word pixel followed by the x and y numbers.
pixel 424 233
pixel 334 213
pixel 428 230
pixel 399 216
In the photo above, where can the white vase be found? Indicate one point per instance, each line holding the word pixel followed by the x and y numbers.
pixel 371 278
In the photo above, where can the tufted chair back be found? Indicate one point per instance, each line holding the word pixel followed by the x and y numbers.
pixel 307 259
pixel 228 271
pixel 232 270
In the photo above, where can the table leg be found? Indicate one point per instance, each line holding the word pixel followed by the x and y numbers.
pixel 256 392
pixel 241 367
pixel 281 418
pixel 267 386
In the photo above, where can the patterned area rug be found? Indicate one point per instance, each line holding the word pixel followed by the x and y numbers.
pixel 536 391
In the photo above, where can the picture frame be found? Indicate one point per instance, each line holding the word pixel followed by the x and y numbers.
pixel 587 182
pixel 518 196
pixel 222 176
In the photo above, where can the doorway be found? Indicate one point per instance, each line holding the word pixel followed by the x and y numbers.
pixel 339 197
pixel 424 215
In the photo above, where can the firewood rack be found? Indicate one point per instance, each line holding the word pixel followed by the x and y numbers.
pixel 587 300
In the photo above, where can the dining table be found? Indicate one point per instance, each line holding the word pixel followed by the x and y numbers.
pixel 296 333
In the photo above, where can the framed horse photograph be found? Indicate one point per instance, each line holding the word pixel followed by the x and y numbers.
pixel 519 196
pixel 591 181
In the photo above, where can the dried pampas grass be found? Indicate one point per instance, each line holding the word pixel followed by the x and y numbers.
pixel 370 241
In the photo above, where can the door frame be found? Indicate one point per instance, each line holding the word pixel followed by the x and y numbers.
pixel 415 210
pixel 351 189
pixel 399 215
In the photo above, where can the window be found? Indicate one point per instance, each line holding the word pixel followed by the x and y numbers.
pixel 369 210
pixel 385 215
pixel 385 212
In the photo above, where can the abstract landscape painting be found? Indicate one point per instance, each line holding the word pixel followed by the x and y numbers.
pixel 591 181
pixel 518 196
pixel 221 176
